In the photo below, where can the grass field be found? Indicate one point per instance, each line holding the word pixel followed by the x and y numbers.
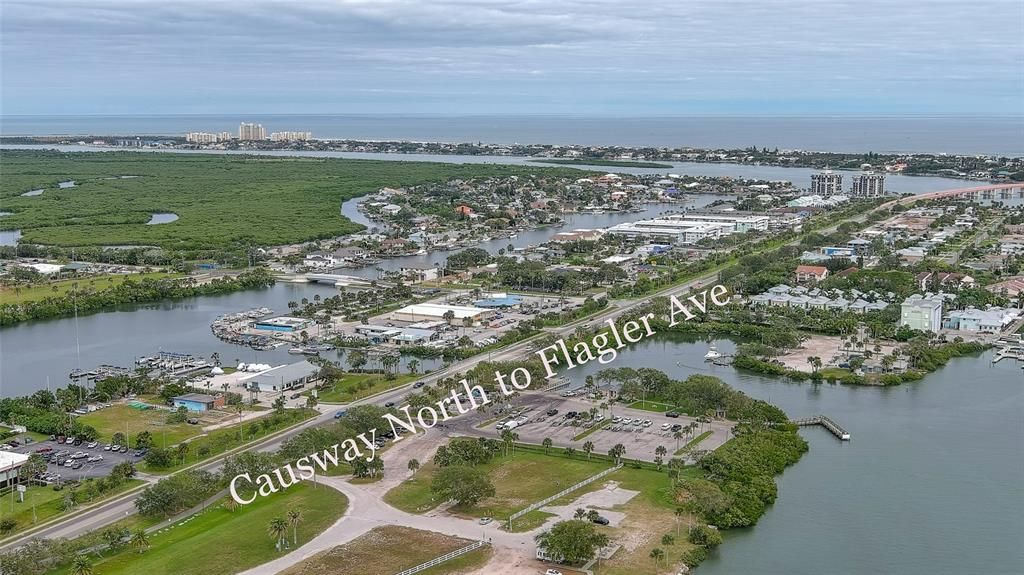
pixel 62 287
pixel 693 442
pixel 42 503
pixel 389 549
pixel 518 481
pixel 221 542
pixel 226 438
pixel 654 406
pixel 124 419
pixel 216 197
pixel 359 385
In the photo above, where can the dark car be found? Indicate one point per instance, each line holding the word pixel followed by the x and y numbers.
pixel 141 453
pixel 601 520
pixel 295 396
pixel 672 414
pixel 676 427
pixel 552 412
pixel 389 404
pixel 571 415
pixel 78 441
pixel 419 384
pixel 339 415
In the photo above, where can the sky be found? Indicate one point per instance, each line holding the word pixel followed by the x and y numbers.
pixel 581 57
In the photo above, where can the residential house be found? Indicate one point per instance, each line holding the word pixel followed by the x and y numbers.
pixel 805 273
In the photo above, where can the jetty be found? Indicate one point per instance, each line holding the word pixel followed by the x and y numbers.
pixel 826 423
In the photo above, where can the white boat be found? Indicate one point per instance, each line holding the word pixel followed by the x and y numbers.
pixel 712 353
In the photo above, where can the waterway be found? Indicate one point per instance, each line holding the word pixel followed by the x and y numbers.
pixel 932 482
pixel 40 354
pixel 800 177
pixel 350 209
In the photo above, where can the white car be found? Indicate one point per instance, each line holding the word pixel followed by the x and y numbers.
pixel 552 572
pixel 666 426
pixel 95 458
pixel 625 421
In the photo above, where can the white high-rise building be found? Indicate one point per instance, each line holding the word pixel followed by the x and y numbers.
pixel 826 184
pixel 247 131
pixel 201 138
pixel 868 185
pixel 291 136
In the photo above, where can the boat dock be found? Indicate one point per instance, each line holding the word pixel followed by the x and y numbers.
pixel 1007 348
pixel 826 423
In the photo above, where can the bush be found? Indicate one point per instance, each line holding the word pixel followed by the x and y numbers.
pixel 704 536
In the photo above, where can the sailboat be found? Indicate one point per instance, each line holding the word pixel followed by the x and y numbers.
pixel 712 353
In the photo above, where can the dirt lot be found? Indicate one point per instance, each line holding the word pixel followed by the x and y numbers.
pixel 390 549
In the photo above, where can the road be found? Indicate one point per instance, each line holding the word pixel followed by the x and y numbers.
pixel 124 506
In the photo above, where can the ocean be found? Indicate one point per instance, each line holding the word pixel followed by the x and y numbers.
pixel 952 135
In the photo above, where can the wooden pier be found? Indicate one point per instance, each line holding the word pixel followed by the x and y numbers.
pixel 826 423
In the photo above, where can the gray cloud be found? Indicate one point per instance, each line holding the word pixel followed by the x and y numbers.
pixel 108 56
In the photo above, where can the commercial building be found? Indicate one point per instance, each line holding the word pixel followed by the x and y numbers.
pixel 247 131
pixel 989 320
pixel 922 313
pixel 10 462
pixel 435 311
pixel 281 323
pixel 499 301
pixel 201 138
pixel 198 401
pixel 674 230
pixel 826 184
pixel 282 378
pixel 868 185
pixel 291 136
pixel 740 224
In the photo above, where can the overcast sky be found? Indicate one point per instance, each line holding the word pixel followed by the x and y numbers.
pixel 590 57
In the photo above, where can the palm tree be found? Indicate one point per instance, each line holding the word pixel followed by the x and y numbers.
pixel 278 528
pixel 588 447
pixel 294 518
pixel 657 554
pixel 231 504
pixel 140 540
pixel 414 465
pixel 580 513
pixel 81 566
pixel 546 444
pixel 413 365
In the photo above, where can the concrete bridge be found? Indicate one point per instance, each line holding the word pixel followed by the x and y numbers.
pixel 339 280
pixel 988 192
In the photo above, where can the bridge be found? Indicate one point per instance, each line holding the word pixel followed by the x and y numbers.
pixel 339 280
pixel 988 192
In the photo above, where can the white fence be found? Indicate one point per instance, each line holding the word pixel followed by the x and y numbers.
pixel 561 493
pixel 445 557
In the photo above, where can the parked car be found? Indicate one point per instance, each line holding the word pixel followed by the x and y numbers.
pixel 124 449
pixel 193 421
pixel 552 412
pixel 106 447
pixel 676 428
pixel 141 452
pixel 76 465
pixel 295 396
pixel 92 445
pixel 601 520
pixel 665 426
pixel 485 520
pixel 94 458
pixel 671 414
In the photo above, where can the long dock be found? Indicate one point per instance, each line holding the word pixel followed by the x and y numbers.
pixel 826 423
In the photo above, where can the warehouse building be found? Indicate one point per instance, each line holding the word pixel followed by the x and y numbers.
pixel 198 401
pixel 437 311
pixel 282 378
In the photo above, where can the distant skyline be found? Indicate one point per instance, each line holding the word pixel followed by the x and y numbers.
pixel 594 58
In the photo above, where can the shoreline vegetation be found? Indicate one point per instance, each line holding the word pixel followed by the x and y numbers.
pixel 601 162
pixel 222 200
pixel 130 291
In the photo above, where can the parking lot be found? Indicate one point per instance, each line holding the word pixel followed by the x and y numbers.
pixel 99 468
pixel 641 441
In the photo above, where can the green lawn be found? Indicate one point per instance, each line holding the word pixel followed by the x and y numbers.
pixel 124 419
pixel 62 287
pixel 354 386
pixel 519 480
pixel 43 503
pixel 221 542
pixel 654 406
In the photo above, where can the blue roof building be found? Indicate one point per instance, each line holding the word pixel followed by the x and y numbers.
pixel 499 302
